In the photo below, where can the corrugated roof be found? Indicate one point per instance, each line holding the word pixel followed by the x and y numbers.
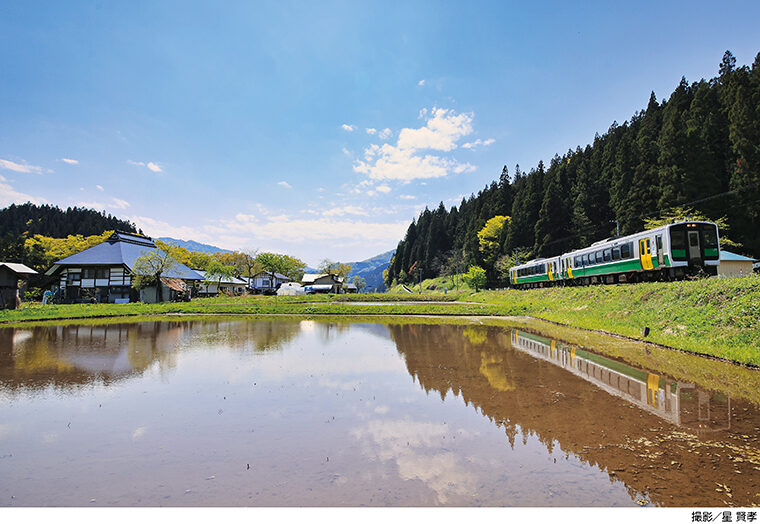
pixel 311 277
pixel 728 256
pixel 122 248
pixel 19 269
pixel 278 276
pixel 174 283
pixel 225 280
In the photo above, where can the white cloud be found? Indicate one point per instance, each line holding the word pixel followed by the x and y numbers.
pixel 99 188
pixel 284 184
pixel 348 127
pixel 385 133
pixel 477 143
pixel 116 203
pixel 405 162
pixel 159 228
pixel 99 206
pixel 408 197
pixel 346 152
pixel 371 130
pixel 9 196
pixel 383 189
pixel 439 133
pixel 345 210
pixel 299 230
pixel 150 165
pixel 421 83
pixel 70 161
pixel 20 168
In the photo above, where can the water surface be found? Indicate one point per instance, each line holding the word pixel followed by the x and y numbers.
pixel 303 413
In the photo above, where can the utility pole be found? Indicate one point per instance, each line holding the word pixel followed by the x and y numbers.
pixel 617 227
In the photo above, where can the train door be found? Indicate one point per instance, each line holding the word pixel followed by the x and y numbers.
pixel 660 254
pixel 569 268
pixel 645 253
pixel 694 248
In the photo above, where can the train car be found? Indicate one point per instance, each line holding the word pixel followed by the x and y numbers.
pixel 536 273
pixel 664 253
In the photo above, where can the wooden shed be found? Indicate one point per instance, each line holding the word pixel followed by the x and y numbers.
pixel 733 265
pixel 10 273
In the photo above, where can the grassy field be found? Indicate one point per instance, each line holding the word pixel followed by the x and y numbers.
pixel 718 317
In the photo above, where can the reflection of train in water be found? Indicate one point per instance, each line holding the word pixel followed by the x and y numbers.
pixel 677 402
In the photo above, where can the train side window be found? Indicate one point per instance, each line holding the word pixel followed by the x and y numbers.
pixel 625 251
pixel 607 255
pixel 658 242
pixel 615 253
pixel 599 257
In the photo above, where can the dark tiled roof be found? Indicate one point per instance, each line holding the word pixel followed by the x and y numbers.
pixel 124 248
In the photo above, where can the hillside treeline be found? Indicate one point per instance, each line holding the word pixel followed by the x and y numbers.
pixel 699 148
pixel 21 222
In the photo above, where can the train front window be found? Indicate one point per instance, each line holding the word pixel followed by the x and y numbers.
pixel 710 236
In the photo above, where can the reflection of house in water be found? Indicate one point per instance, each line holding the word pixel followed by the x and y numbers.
pixel 680 403
pixel 73 355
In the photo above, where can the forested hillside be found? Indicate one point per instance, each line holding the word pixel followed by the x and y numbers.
pixel 19 222
pixel 699 148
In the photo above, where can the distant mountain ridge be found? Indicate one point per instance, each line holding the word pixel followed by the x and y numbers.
pixel 371 270
pixel 192 245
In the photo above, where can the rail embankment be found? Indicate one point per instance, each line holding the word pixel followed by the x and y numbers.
pixel 717 317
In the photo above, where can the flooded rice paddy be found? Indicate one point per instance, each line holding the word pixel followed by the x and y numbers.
pixel 305 413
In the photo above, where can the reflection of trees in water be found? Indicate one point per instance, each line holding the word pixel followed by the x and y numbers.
pixel 241 335
pixel 70 356
pixel 74 355
pixel 530 397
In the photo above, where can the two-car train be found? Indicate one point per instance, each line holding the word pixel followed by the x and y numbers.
pixel 664 253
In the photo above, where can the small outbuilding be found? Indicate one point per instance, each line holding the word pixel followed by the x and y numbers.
pixel 733 265
pixel 322 283
pixel 213 286
pixel 265 281
pixel 10 274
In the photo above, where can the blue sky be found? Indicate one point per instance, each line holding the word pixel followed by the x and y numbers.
pixel 320 129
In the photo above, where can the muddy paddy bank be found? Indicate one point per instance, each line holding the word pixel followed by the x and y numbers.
pixel 321 411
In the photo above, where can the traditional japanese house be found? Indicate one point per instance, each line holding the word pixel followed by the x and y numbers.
pixel 103 273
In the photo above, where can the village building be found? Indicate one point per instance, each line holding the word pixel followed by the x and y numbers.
pixel 321 283
pixel 10 274
pixel 350 288
pixel 733 265
pixel 103 273
pixel 263 282
pixel 211 286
